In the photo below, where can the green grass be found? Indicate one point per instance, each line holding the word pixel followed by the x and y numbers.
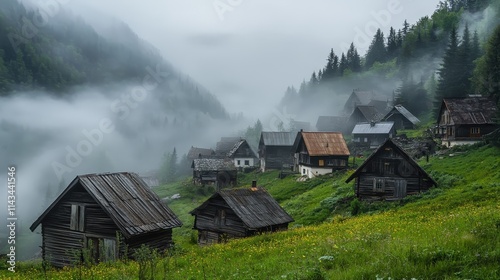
pixel 450 232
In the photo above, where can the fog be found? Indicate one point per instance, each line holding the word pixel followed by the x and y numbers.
pixel 246 53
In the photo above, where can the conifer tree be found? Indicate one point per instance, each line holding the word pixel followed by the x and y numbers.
pixel 343 64
pixel 376 51
pixel 353 59
pixel 392 43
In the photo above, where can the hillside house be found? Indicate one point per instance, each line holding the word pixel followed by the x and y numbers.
pixel 237 213
pixel 319 153
pixel 220 172
pixel 331 123
pixel 363 114
pixel 372 134
pixel 390 173
pixel 465 120
pixel 242 154
pixel 225 145
pixel 94 209
pixel 275 150
pixel 402 118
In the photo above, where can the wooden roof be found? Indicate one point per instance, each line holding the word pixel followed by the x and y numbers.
pixel 404 112
pixel 195 152
pixel 213 164
pixel 370 113
pixel 398 149
pixel 322 143
pixel 255 207
pixel 277 138
pixel 241 144
pixel 226 144
pixel 126 199
pixel 470 110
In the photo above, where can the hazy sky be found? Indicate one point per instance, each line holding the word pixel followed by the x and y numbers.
pixel 242 49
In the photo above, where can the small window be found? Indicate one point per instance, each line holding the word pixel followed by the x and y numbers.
pixel 321 162
pixel 303 171
pixel 238 162
pixel 366 139
pixel 378 184
pixel 77 221
pixel 475 130
pixel 247 162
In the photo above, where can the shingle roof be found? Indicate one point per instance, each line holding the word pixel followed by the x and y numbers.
pixel 323 143
pixel 377 128
pixel 369 112
pixel 241 144
pixel 194 152
pixel 212 164
pixel 471 110
pixel 126 199
pixel 403 111
pixel 277 138
pixel 226 144
pixel 255 207
pixel 398 149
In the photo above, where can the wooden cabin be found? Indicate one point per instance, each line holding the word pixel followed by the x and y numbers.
pixel 363 114
pixel 196 152
pixel 275 150
pixel 220 172
pixel 402 118
pixel 242 154
pixel 96 208
pixel 225 145
pixel 371 135
pixel 237 213
pixel 390 173
pixel 319 153
pixel 465 120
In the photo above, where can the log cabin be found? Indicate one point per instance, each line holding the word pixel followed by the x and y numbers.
pixel 389 173
pixel 319 153
pixel 220 172
pixel 402 118
pixel 275 150
pixel 371 135
pixel 95 210
pixel 465 120
pixel 238 213
pixel 242 154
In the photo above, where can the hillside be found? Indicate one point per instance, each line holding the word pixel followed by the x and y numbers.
pixel 450 232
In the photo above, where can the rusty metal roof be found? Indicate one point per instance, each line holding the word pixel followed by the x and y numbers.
pixel 128 201
pixel 323 143
pixel 470 110
pixel 255 207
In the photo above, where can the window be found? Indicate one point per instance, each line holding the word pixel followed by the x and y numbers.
pixel 238 162
pixel 77 221
pixel 378 184
pixel 366 139
pixel 321 162
pixel 220 217
pixel 247 162
pixel 303 171
pixel 475 130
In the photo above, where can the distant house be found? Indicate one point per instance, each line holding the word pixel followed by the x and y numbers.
pixel 196 152
pixel 359 97
pixel 319 153
pixel 94 209
pixel 237 213
pixel 242 154
pixel 390 173
pixel 225 145
pixel 331 123
pixel 402 118
pixel 372 134
pixel 275 150
pixel 363 114
pixel 217 171
pixel 151 179
pixel 465 120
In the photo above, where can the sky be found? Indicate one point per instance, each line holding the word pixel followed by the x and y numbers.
pixel 244 51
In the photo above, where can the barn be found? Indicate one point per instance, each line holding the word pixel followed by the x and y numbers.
pixel 94 210
pixel 390 174
pixel 237 213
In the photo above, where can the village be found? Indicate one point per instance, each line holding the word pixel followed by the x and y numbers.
pixel 112 214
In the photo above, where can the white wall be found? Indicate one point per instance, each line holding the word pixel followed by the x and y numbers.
pixel 242 162
pixel 312 172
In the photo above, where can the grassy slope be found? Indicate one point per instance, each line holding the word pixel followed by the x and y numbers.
pixel 451 232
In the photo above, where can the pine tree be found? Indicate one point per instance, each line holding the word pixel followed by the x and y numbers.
pixel 392 43
pixel 376 51
pixel 487 72
pixel 331 67
pixel 449 84
pixel 343 65
pixel 406 28
pixel 353 59
pixel 412 96
pixel 466 60
pixel 312 86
